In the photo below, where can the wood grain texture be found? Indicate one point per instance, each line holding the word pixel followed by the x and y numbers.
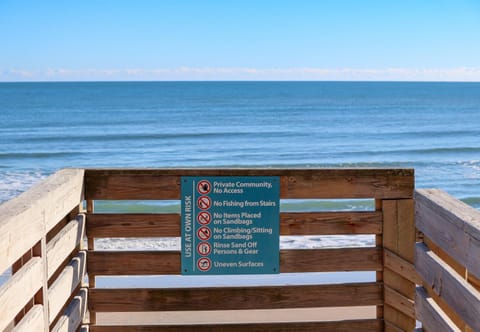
pixel 399 236
pixel 452 225
pixel 292 223
pixel 68 281
pixel 454 317
pixel 461 270
pixel 28 217
pixel 133 225
pixel 19 289
pixel 41 250
pixel 431 315
pixel 133 262
pixel 33 320
pixel 168 262
pixel 330 223
pixel 295 183
pixel 367 325
pixel 329 260
pixel 73 315
pixel 399 302
pixel 63 244
pixel 400 266
pixel 232 298
pixel 449 285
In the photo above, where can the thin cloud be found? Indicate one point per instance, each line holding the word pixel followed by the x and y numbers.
pixel 469 74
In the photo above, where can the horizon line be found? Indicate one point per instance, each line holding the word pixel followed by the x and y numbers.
pixel 236 81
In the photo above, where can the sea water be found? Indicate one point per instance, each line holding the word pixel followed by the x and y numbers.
pixel 431 127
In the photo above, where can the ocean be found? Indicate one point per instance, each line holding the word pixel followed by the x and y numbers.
pixel 431 127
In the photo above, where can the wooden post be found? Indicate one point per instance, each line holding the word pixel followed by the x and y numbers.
pixel 91 277
pixel 398 237
pixel 379 242
pixel 42 296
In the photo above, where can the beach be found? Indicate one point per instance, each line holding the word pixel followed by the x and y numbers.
pixel 239 316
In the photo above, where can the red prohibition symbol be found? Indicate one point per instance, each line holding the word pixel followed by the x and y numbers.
pixel 204 248
pixel 204 233
pixel 204 218
pixel 204 187
pixel 204 264
pixel 204 202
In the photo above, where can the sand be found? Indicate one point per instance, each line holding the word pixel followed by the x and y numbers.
pixel 244 316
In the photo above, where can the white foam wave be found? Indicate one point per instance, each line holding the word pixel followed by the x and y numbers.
pixel 286 242
pixel 13 183
pixel 471 169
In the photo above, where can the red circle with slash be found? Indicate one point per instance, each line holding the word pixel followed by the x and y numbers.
pixel 204 187
pixel 204 202
pixel 204 233
pixel 204 218
pixel 204 264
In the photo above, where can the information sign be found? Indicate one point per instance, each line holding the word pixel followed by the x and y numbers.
pixel 230 225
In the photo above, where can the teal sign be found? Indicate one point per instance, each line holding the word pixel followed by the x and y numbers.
pixel 230 225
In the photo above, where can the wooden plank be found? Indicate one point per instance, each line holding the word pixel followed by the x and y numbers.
pixel 133 225
pixel 400 266
pixel 389 327
pixel 379 242
pixel 399 228
pixel 33 320
pixel 63 244
pixel 329 260
pixel 399 302
pixel 399 238
pixel 461 270
pixel 452 225
pixel 445 257
pixel 295 183
pixel 19 289
pixel 41 250
pixel 133 262
pixel 68 281
pixel 462 297
pixel 168 262
pixel 25 219
pixel 456 319
pixel 366 325
pixel 73 315
pixel 92 316
pixel 431 315
pixel 330 223
pixel 232 298
pixel 168 225
pixel 474 281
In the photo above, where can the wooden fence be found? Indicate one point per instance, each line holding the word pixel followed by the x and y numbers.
pixel 42 231
pixel 40 240
pixel 392 223
pixel 448 261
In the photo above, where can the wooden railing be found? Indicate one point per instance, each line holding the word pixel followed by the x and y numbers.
pixel 391 223
pixel 41 232
pixel 40 241
pixel 448 261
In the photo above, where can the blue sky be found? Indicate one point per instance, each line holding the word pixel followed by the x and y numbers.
pixel 252 40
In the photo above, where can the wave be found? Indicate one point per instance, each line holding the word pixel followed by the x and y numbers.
pixel 420 151
pixel 37 155
pixel 13 183
pixel 146 136
pixel 472 201
pixel 286 205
